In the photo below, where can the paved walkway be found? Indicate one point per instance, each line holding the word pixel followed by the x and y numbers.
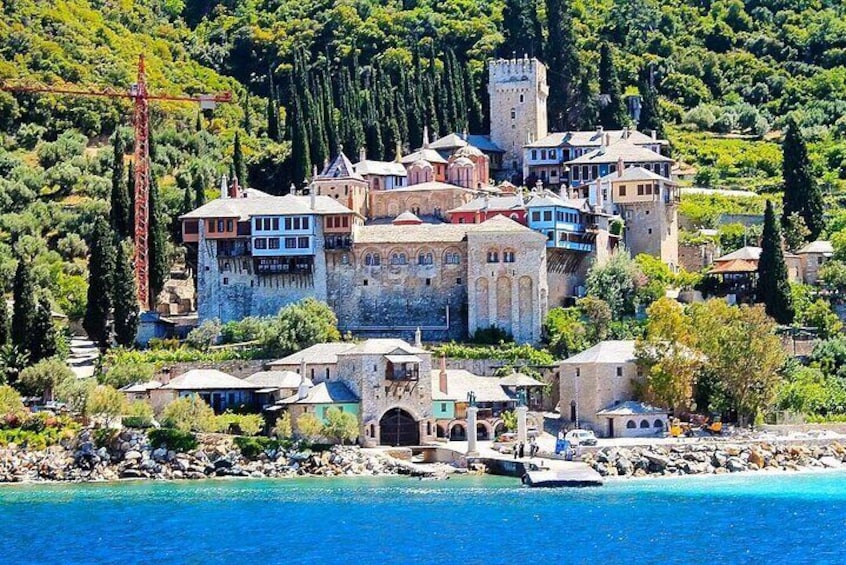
pixel 83 356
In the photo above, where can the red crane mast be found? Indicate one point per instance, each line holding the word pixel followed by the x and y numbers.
pixel 141 122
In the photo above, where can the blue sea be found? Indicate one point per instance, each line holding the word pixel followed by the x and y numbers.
pixel 789 518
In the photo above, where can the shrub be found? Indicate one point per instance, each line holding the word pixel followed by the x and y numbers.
pixel 189 414
pixel 205 335
pixel 75 393
pixel 11 402
pixel 173 440
pixel 252 447
pixel 106 402
pixel 45 376
pixel 240 424
pixel 124 374
pixel 340 425
pixel 283 428
pixel 491 335
pixel 309 427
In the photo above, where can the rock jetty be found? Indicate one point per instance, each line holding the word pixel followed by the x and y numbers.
pixel 713 458
pixel 129 455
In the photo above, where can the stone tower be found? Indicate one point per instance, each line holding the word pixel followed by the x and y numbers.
pixel 518 92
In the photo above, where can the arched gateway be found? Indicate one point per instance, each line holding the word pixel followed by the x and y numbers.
pixel 397 427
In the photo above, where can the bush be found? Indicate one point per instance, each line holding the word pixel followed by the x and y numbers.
pixel 340 425
pixel 205 335
pixel 283 428
pixel 240 424
pixel 125 374
pixel 75 393
pixel 491 335
pixel 252 447
pixel 106 402
pixel 11 402
pixel 309 427
pixel 189 414
pixel 172 440
pixel 44 377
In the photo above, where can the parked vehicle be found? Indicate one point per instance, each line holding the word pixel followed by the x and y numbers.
pixel 581 437
pixel 532 431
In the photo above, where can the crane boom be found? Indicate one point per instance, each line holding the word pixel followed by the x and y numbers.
pixel 141 121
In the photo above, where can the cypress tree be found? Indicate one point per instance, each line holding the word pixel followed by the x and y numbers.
pixel 130 193
pixel 521 29
pixel 238 163
pixel 198 123
pixel 300 156
pixel 612 112
pixel 24 311
pixel 125 298
pixel 159 266
pixel 802 194
pixel 5 336
pixel 100 269
pixel 272 110
pixel 475 118
pixel 248 117
pixel 430 85
pixel 773 287
pixel 198 185
pixel 650 111
pixel 43 344
pixel 563 69
pixel 120 203
pixel 537 35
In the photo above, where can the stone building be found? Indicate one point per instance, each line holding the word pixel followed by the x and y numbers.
pixel 429 200
pixel 339 180
pixel 812 257
pixel 595 379
pixel 518 91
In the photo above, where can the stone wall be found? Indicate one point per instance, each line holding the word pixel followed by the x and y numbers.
pixel 237 368
pixel 599 386
pixel 693 258
pixel 229 289
pixel 423 202
pixel 652 228
pixel 393 300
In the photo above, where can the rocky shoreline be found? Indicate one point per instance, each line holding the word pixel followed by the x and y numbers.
pixel 130 456
pixel 714 459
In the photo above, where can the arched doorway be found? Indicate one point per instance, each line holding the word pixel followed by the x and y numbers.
pixel 458 433
pixel 398 427
pixel 482 432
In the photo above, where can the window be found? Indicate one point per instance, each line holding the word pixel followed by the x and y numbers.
pixel 619 371
pixel 260 243
pixel 640 190
pixel 534 154
pixel 345 221
pixel 550 236
pixel 658 424
pixel 302 242
pixel 372 260
pixel 221 226
pixel 225 280
pixel 535 216
pixel 631 425
pixel 553 173
pixel 547 215
pixel 425 259
pixel 559 216
pixel 288 224
pixel 644 424
pixel 428 282
pixel 228 225
pixel 327 373
pixel 452 259
pixel 575 173
pixel 649 231
pixel 508 256
pixel 290 243
pixel 364 282
pixel 622 190
pixel 521 99
pixel 513 115
pixel 398 259
pixel 305 223
pixel 273 242
pixel 578 372
pixel 543 154
pixel 211 226
pixel 443 406
pixel 275 224
pixel 458 281
pixel 493 257
pixel 296 223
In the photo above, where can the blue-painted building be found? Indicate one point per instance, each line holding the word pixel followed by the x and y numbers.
pixel 565 222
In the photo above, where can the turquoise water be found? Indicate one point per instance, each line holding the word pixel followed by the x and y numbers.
pixel 484 520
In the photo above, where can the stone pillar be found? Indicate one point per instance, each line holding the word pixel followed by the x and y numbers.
pixel 522 435
pixel 472 411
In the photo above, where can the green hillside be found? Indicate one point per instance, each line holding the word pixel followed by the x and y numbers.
pixel 310 75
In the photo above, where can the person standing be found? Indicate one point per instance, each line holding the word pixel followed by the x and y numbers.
pixel 522 450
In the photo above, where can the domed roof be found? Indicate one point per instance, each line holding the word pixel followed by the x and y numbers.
pixel 468 151
pixel 406 218
pixel 422 164
pixel 462 162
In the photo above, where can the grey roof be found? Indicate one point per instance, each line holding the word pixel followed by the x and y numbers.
pixel 519 379
pixel 819 246
pixel 420 233
pixel 461 382
pixel 593 138
pixel 141 387
pixel 546 199
pixel 632 408
pixel 208 379
pixel 277 379
pixel 456 140
pixel 427 187
pixel 500 224
pixel 493 203
pixel 748 253
pixel 317 354
pixel 383 346
pixel 625 150
pixel 339 167
pixel 610 351
pixel 334 392
pixel 288 205
pixel 633 174
pixel 407 216
pixel 484 143
pixel 449 141
pixel 425 154
pixel 382 168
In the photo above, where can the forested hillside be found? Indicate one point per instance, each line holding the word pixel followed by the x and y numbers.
pixel 311 75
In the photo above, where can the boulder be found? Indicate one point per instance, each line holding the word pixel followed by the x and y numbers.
pixel 735 464
pixel 656 461
pixel 756 459
pixel 830 462
pixel 133 455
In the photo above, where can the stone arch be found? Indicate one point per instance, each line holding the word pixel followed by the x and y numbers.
pixel 483 317
pixel 484 431
pixel 441 430
pixel 397 251
pixel 503 303
pixel 658 423
pixel 631 425
pixel 427 253
pixel 458 430
pixel 526 308
pixel 372 252
pixel 498 428
pixel 644 424
pixel 451 251
pixel 399 426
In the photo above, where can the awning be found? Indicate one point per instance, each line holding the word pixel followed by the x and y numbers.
pixel 396 359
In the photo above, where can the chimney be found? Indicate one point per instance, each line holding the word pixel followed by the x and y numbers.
pixel 362 154
pixel 425 137
pixel 302 390
pixel 626 132
pixel 607 139
pixel 398 157
pixel 234 189
pixel 599 129
pixel 418 338
pixel 442 377
pixel 224 186
pixel 312 193
pixel 654 135
pixel 620 167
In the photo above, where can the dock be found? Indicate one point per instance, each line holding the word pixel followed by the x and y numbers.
pixel 541 472
pixel 582 476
